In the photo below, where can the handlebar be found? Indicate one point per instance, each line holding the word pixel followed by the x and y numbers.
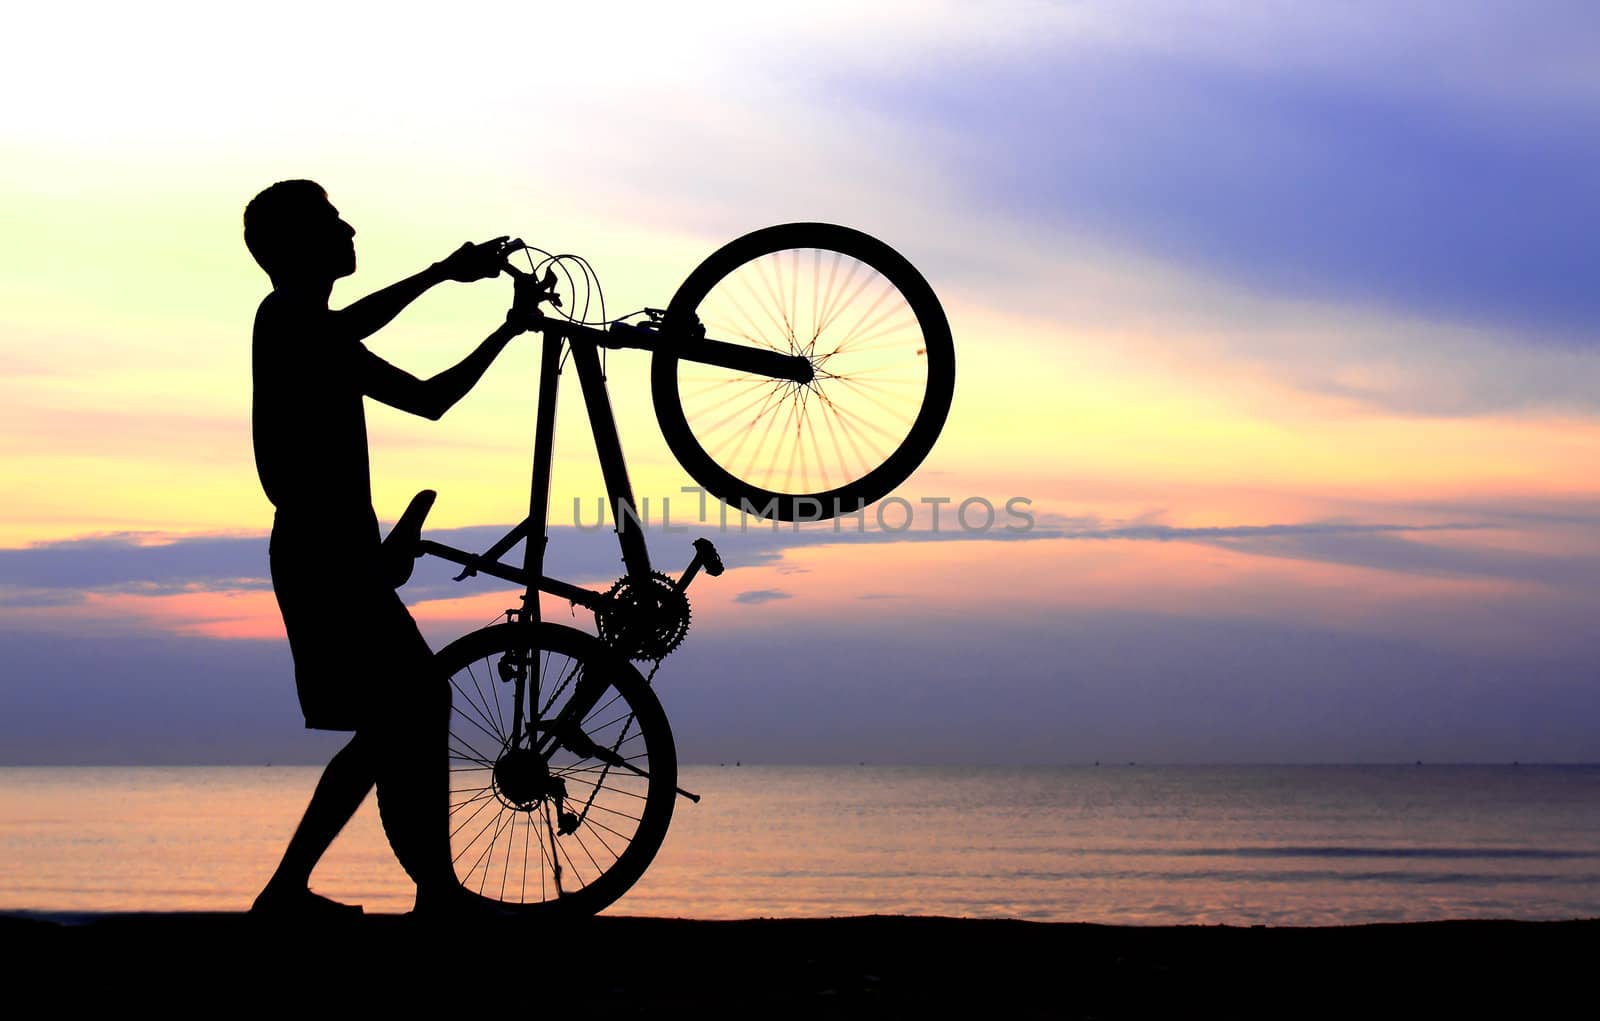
pixel 692 347
pixel 691 344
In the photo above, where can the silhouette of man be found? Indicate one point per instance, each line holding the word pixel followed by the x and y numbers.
pixel 360 662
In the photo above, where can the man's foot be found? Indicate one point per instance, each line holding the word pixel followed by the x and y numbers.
pixel 301 903
pixel 452 904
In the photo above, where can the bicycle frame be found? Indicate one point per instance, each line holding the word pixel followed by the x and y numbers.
pixel 584 343
pixel 841 370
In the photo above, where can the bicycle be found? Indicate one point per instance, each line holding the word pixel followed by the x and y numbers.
pixel 828 349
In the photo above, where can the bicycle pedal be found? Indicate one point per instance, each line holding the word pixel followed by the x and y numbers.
pixel 709 557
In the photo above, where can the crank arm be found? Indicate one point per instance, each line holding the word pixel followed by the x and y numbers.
pixel 705 556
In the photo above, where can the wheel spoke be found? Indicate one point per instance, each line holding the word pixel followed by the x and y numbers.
pixel 867 391
pixel 762 302
pixel 741 437
pixel 498 738
pixel 773 282
pixel 487 858
pixel 849 434
pixel 827 419
pixel 597 807
pixel 485 700
pixel 856 420
pixel 505 870
pixel 595 830
pixel 600 768
pixel 476 812
pixel 821 459
pixel 836 299
pixel 625 717
pixel 526 826
pixel 844 303
pixel 774 389
pixel 578 836
pixel 875 339
pixel 902 377
pixel 760 445
pixel 470 754
pixel 499 809
pixel 752 330
pixel 723 397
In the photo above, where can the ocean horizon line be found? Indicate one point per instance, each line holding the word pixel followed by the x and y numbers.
pixel 746 764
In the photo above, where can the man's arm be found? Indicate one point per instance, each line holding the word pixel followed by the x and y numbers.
pixel 432 397
pixel 363 318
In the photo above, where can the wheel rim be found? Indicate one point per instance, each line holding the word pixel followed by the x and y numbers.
pixel 879 345
pixel 563 830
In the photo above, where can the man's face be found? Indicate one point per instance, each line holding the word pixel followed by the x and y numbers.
pixel 330 242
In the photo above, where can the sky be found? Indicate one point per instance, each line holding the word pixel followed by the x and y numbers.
pixel 1279 321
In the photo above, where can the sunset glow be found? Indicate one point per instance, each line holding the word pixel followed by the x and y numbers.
pixel 1268 400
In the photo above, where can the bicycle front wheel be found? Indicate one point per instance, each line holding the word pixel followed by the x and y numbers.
pixel 880 348
pixel 564 820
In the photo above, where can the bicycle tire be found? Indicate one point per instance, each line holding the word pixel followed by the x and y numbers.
pixel 896 393
pixel 624 823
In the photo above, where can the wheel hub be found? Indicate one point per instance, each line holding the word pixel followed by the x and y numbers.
pixel 522 779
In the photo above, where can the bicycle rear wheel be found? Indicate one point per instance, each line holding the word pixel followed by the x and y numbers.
pixel 880 348
pixel 564 829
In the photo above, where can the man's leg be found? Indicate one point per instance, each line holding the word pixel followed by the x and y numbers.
pixel 345 782
pixel 411 736
pixel 414 788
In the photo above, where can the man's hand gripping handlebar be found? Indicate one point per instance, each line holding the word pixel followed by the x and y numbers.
pixel 530 292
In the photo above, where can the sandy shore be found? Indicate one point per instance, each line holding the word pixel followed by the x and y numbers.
pixel 858 967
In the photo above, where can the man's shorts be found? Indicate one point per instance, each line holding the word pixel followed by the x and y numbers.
pixel 357 651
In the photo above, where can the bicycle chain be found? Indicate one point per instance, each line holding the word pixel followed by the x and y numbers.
pixel 621 737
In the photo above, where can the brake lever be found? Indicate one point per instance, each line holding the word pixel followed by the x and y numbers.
pixel 546 291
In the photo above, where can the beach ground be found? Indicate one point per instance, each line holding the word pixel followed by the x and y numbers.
pixel 856 967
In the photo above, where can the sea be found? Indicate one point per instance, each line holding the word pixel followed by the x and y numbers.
pixel 1126 844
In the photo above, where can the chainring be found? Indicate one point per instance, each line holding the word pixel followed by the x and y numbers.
pixel 644 625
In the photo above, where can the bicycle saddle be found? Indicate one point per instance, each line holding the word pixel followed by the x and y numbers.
pixel 400 545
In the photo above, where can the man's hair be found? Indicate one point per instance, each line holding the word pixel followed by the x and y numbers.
pixel 273 220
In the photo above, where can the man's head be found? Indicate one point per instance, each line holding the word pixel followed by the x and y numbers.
pixel 295 233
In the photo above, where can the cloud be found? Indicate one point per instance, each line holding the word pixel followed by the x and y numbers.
pixel 138 562
pixel 759 596
pixel 1514 511
pixel 37 598
pixel 1151 532
pixel 1386 551
pixel 58 573
pixel 1382 547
